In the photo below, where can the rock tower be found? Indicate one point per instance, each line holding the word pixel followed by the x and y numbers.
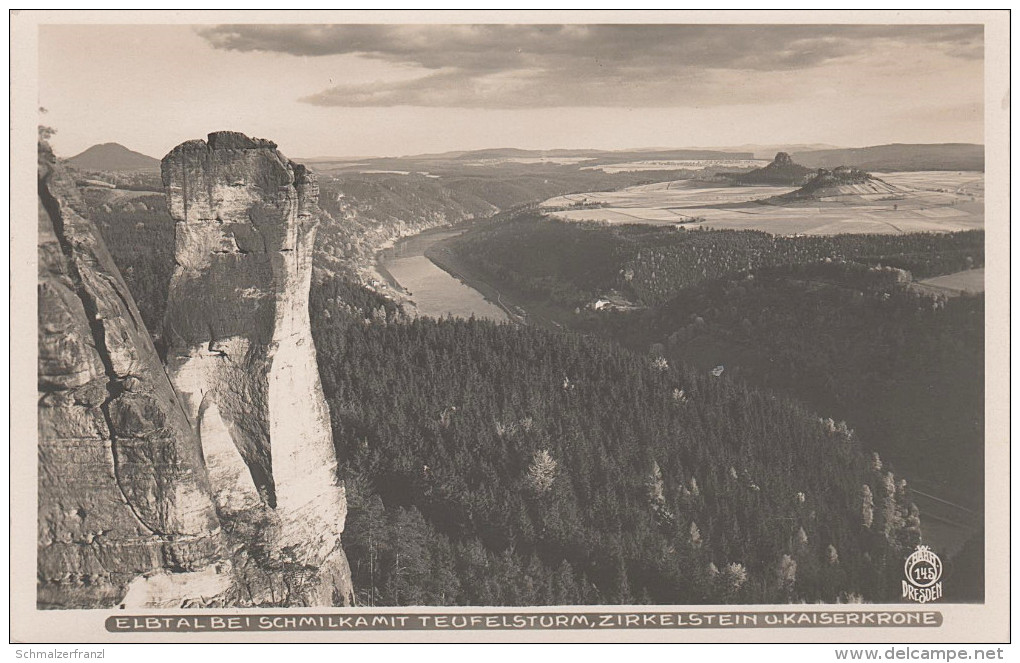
pixel 239 344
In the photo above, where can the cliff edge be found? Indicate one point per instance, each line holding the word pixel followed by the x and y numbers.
pixel 124 499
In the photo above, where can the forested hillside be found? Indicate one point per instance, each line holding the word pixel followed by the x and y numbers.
pixel 564 469
pixel 852 342
pixel 832 320
pixel 571 264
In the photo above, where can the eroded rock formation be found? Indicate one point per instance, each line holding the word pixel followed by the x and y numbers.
pixel 782 171
pixel 123 495
pixel 240 351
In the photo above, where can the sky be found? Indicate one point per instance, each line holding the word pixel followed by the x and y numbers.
pixel 391 90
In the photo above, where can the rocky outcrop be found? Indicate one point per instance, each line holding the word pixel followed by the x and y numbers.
pixel 782 160
pixel 840 175
pixel 781 172
pixel 123 494
pixel 240 353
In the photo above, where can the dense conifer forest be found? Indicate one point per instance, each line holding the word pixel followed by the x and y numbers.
pixel 570 264
pixel 852 342
pixel 565 469
pixel 832 320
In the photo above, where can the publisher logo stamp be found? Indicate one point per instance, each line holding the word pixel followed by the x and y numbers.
pixel 923 569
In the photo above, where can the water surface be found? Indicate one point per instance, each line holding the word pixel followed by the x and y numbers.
pixel 434 292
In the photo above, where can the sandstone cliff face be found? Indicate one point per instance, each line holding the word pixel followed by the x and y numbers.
pixel 123 494
pixel 240 354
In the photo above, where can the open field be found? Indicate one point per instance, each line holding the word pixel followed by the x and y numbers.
pixel 971 281
pixel 961 182
pixel 928 202
pixel 677 164
pixel 680 195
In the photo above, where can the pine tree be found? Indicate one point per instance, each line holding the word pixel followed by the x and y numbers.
pixel 867 506
pixel 541 473
pixel 787 572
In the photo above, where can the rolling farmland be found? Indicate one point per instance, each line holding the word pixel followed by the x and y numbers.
pixel 923 202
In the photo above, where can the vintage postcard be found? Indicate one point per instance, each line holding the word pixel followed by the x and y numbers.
pixel 510 326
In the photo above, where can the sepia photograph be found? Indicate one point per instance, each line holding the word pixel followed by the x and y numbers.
pixel 515 325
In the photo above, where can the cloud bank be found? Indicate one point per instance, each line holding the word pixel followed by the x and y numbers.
pixel 548 66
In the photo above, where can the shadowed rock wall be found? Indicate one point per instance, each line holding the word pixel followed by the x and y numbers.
pixel 123 494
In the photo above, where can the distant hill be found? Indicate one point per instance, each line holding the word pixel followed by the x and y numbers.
pixel 782 172
pixel 840 183
pixel 601 155
pixel 766 151
pixel 112 157
pixel 672 155
pixel 899 156
pixel 763 151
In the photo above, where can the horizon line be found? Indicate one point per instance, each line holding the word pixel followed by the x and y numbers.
pixel 740 149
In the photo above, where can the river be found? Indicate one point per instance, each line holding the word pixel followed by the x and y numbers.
pixel 434 292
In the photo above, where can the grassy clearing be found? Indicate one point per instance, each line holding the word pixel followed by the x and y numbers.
pixel 971 281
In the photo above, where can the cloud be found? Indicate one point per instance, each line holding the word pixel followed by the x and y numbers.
pixel 540 88
pixel 512 66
